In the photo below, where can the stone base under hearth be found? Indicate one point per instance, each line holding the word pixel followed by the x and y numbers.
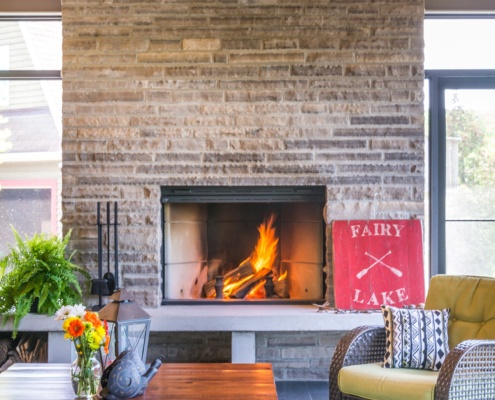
pixel 296 339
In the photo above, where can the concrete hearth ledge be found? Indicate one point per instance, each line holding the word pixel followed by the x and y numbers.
pixel 231 318
pixel 256 318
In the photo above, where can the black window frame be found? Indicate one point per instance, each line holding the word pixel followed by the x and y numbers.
pixel 439 81
pixel 39 75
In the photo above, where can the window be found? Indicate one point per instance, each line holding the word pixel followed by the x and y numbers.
pixel 459 43
pixel 33 200
pixel 461 75
pixel 30 125
pixel 4 85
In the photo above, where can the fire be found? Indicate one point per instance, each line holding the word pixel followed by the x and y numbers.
pixel 265 252
pixel 262 259
pixel 230 286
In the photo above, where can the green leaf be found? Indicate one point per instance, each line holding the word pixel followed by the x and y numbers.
pixel 37 268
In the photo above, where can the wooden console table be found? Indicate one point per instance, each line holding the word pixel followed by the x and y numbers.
pixel 172 382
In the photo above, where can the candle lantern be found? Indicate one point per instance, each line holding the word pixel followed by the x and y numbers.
pixel 128 326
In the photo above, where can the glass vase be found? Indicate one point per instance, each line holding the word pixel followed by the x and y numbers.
pixel 85 376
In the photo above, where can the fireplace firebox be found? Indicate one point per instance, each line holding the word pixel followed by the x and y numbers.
pixel 243 244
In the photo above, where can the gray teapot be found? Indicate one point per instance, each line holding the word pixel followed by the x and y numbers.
pixel 127 377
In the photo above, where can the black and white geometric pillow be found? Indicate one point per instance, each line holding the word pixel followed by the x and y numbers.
pixel 415 338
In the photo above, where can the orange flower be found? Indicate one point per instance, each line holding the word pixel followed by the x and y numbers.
pixel 75 328
pixel 107 343
pixel 107 337
pixel 93 318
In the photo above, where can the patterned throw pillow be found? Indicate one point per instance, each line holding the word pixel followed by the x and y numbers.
pixel 415 338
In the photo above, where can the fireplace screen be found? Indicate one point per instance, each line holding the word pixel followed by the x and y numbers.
pixel 243 244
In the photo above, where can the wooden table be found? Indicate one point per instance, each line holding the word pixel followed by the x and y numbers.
pixel 172 382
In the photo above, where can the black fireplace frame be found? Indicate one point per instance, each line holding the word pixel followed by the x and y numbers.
pixel 241 194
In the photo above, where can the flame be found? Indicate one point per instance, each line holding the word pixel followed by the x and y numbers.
pixel 229 287
pixel 258 292
pixel 264 255
pixel 265 252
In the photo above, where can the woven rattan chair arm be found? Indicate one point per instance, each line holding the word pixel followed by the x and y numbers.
pixel 468 372
pixel 362 345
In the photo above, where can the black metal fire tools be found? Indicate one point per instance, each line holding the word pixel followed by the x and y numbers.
pixel 106 284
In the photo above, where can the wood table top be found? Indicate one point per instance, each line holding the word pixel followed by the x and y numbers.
pixel 192 381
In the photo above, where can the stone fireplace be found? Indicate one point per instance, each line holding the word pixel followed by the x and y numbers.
pixel 238 94
pixel 247 243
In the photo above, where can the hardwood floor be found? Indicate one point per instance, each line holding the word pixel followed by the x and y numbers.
pixel 308 390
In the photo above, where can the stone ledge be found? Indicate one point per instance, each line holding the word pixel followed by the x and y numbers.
pixel 229 318
pixel 256 318
pixel 34 323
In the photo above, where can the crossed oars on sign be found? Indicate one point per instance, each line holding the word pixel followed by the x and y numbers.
pixel 363 272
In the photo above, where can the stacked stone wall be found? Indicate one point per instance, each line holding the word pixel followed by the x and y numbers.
pixel 237 92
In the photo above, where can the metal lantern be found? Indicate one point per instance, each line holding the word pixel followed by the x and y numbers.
pixel 128 326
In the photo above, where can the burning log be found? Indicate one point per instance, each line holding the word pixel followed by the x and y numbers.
pixel 239 281
pixel 280 288
pixel 237 274
pixel 244 289
pixel 209 289
pixel 258 290
pixel 242 271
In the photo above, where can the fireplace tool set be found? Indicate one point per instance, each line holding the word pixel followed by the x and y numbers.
pixel 106 283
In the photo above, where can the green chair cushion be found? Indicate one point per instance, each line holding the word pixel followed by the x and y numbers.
pixel 470 300
pixel 372 381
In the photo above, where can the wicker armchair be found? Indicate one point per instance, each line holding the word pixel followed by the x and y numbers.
pixel 469 369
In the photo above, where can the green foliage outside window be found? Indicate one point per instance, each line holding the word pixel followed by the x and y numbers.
pixel 477 146
pixel 470 201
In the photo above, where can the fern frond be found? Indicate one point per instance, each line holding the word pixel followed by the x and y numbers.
pixel 37 267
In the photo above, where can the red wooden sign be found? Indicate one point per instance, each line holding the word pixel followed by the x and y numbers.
pixel 377 262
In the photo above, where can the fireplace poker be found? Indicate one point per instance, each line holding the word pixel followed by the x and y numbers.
pixel 116 247
pixel 108 275
pixel 99 286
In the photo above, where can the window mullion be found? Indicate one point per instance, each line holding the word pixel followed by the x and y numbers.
pixel 30 74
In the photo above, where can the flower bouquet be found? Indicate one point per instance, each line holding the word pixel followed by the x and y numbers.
pixel 89 335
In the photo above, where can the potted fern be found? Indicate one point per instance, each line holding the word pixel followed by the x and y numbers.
pixel 38 272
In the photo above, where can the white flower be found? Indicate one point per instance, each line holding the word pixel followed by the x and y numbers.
pixel 70 311
pixel 78 311
pixel 63 313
